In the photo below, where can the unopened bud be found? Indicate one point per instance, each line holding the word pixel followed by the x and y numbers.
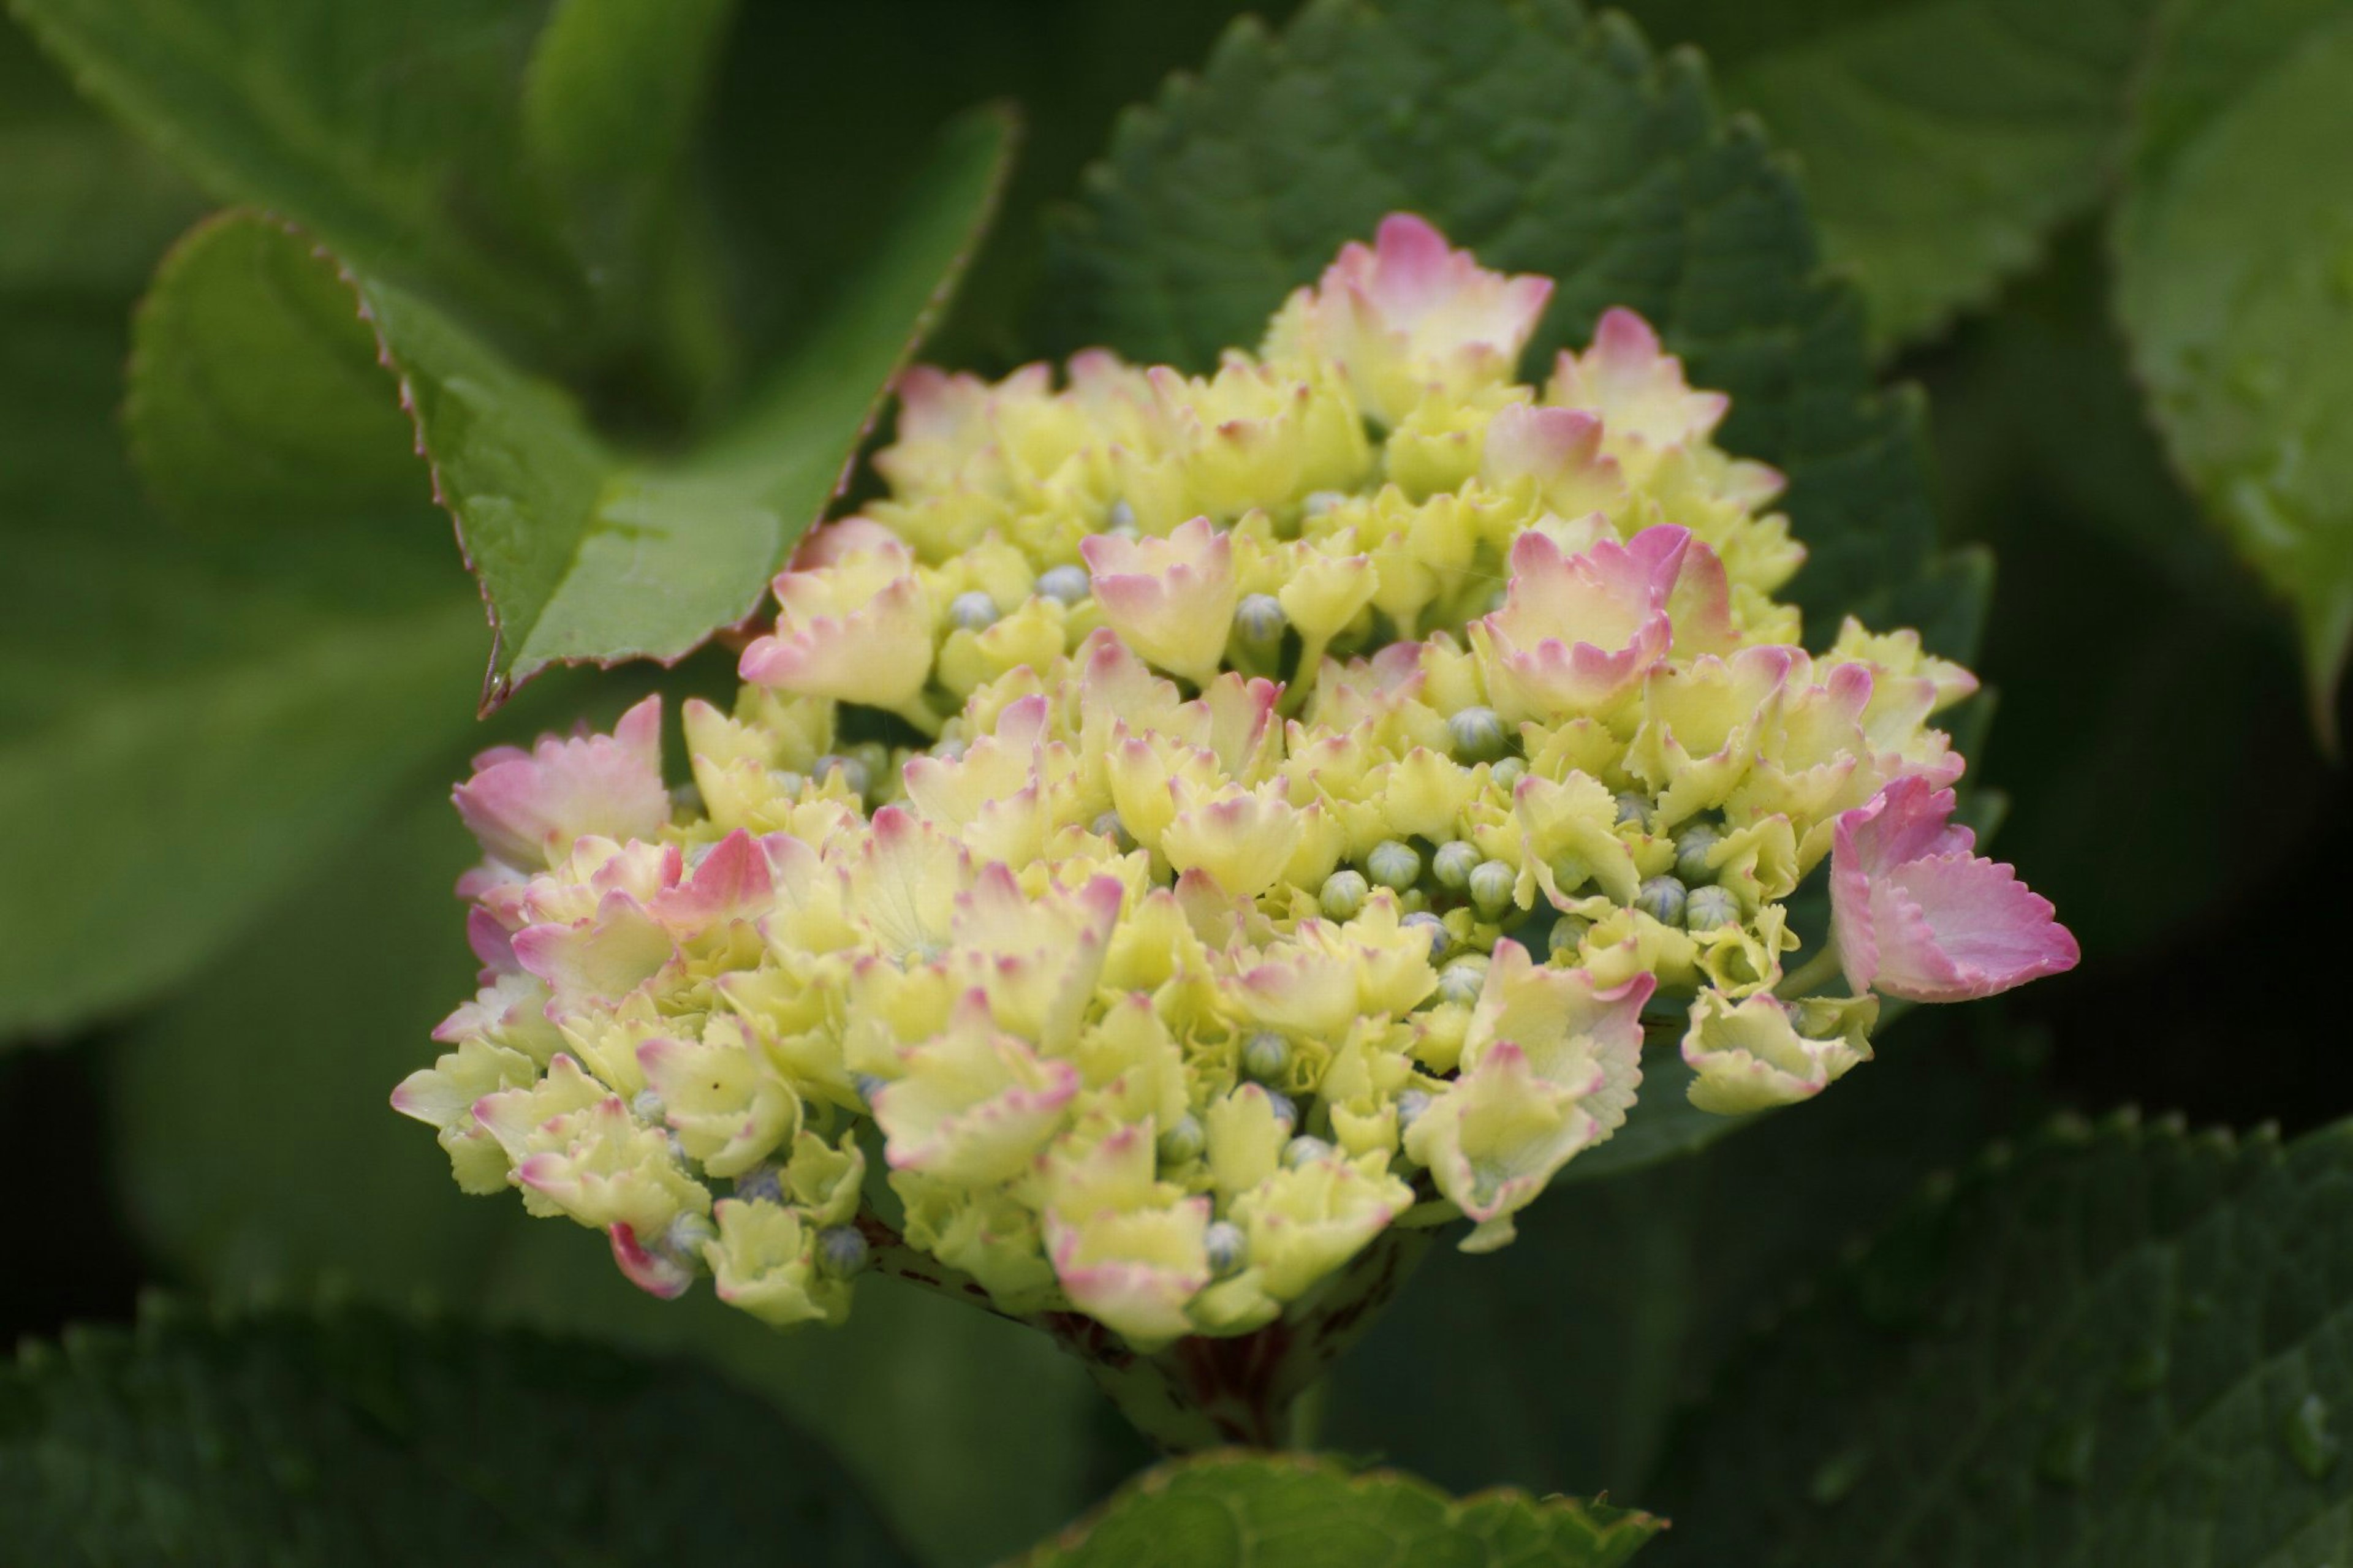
pixel 1320 501
pixel 1454 863
pixel 1410 1107
pixel 1394 865
pixel 1460 981
pixel 1109 825
pixel 1227 1246
pixel 1184 1140
pixel 1691 846
pixel 1120 519
pixel 1492 885
pixel 1440 939
pixel 1304 1150
pixel 1478 734
pixel 1634 808
pixel 1710 908
pixel 1508 774
pixel 1071 584
pixel 1567 935
pixel 841 1252
pixel 1266 1056
pixel 974 611
pixel 1344 895
pixel 762 1184
pixel 855 777
pixel 1662 899
pixel 1259 620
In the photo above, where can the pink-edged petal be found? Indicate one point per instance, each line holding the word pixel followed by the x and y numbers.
pixel 528 807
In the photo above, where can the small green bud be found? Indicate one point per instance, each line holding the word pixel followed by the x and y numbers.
pixel 1662 899
pixel 1567 935
pixel 1184 1140
pixel 1691 844
pixel 787 782
pixel 1410 1107
pixel 1570 874
pixel 762 1184
pixel 1711 908
pixel 974 611
pixel 1633 807
pixel 1109 825
pixel 1478 734
pixel 841 1250
pixel 1259 620
pixel 1440 939
pixel 1461 981
pixel 1304 1150
pixel 867 1086
pixel 1227 1246
pixel 1394 865
pixel 1453 864
pixel 647 1106
pixel 1266 1056
pixel 1508 774
pixel 1492 883
pixel 688 799
pixel 1071 584
pixel 1120 519
pixel 1286 1110
pixel 1343 894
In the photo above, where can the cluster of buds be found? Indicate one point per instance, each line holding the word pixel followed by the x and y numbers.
pixel 1193 825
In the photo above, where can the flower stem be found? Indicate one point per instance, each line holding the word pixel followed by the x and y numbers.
pixel 1809 977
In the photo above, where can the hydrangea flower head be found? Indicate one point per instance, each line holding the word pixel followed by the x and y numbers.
pixel 1193 828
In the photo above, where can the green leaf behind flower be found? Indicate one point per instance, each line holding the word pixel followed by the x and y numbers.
pixel 1545 140
pixel 2234 252
pixel 1940 141
pixel 353 1438
pixel 1239 1511
pixel 2112 1345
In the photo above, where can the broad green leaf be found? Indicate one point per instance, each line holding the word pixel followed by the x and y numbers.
pixel 183 731
pixel 1939 141
pixel 353 1438
pixel 1545 141
pixel 1239 1511
pixel 389 130
pixel 257 1153
pixel 2123 1345
pixel 583 552
pixel 2234 279
pixel 1556 1363
pixel 87 209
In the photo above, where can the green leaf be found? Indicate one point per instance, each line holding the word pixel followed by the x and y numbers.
pixel 1545 140
pixel 1558 1363
pixel 1940 140
pixel 256 1153
pixel 354 1438
pixel 583 554
pixel 2234 280
pixel 182 731
pixel 2120 1345
pixel 388 131
pixel 88 208
pixel 1237 1510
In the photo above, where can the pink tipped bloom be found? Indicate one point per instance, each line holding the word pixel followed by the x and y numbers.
pixel 1576 632
pixel 1638 390
pixel 857 629
pixel 1171 600
pixel 1409 315
pixel 1917 914
pixel 527 807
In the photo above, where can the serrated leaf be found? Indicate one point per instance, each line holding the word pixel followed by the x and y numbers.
pixel 1559 1362
pixel 2234 280
pixel 973 1434
pixel 1236 1510
pixel 182 731
pixel 388 131
pixel 354 1438
pixel 1545 141
pixel 1939 141
pixel 2124 1346
pixel 583 552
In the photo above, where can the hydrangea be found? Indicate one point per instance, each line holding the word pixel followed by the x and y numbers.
pixel 1192 827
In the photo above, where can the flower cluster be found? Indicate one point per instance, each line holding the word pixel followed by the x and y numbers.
pixel 1194 824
